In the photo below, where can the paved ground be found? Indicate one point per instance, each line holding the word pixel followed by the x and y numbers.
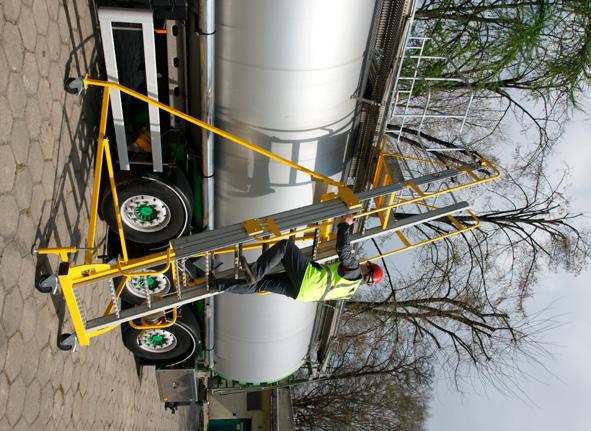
pixel 46 156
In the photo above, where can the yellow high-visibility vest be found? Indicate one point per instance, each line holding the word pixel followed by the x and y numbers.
pixel 323 282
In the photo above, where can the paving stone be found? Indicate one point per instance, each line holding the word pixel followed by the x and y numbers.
pixel 19 141
pixel 77 372
pixel 33 118
pixel 60 425
pixel 9 216
pixel 54 42
pixel 26 282
pixel 29 320
pixel 54 5
pixel 16 95
pixel 42 55
pixel 46 405
pixel 48 179
pixel 64 27
pixel 46 139
pixel 4 425
pixel 4 387
pixel 37 202
pixel 16 398
pixel 38 425
pixel 41 16
pixel 57 366
pixel 4 71
pixel 30 73
pixel 10 266
pixel 58 116
pixel 26 233
pixel 35 162
pixel 68 372
pixel 58 404
pixel 77 408
pixel 29 366
pixel 7 169
pixel 12 9
pixel 5 119
pixel 27 29
pixel 13 46
pixel 14 357
pixel 22 425
pixel 69 407
pixel 45 361
pixel 56 81
pixel 33 395
pixel 24 188
pixel 45 100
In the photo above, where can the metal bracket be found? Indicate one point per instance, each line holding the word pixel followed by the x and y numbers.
pixel 328 197
pixel 368 101
pixel 349 198
pixel 272 227
pixel 253 227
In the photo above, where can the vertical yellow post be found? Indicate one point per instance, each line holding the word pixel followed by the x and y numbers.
pixel 75 315
pixel 97 178
pixel 115 198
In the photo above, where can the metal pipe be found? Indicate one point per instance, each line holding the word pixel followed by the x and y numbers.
pixel 206 30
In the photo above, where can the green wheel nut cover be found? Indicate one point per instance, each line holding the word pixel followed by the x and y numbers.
pixel 145 212
pixel 156 339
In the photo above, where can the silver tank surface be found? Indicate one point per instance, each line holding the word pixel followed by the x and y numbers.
pixel 285 74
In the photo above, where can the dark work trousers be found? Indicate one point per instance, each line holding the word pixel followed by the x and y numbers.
pixel 284 283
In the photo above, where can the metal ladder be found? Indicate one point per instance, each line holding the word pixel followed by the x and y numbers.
pixel 237 237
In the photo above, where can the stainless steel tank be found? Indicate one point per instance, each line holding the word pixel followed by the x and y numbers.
pixel 285 74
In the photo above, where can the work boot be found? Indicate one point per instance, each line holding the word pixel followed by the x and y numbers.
pixel 247 271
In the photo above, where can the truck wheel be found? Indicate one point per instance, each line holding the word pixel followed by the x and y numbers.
pixel 152 211
pixel 135 288
pixel 165 346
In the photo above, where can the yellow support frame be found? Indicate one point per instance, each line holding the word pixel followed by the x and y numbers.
pixel 72 277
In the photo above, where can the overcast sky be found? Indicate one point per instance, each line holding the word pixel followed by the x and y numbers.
pixel 561 401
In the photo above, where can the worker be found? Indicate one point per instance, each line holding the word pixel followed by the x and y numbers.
pixel 303 279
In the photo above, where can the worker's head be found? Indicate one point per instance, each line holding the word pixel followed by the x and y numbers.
pixel 372 273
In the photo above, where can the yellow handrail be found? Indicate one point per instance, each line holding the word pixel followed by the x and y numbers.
pixel 94 82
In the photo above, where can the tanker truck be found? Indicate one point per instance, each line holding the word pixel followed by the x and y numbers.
pixel 286 76
pixel 235 123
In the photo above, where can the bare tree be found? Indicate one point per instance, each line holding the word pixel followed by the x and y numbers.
pixel 525 60
pixel 376 381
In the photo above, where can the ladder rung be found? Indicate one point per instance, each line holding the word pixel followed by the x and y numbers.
pixel 228 236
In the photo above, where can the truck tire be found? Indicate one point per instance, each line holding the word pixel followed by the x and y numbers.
pixel 167 346
pixel 152 210
pixel 134 290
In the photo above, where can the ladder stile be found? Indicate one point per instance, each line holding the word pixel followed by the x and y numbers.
pixel 114 300
pixel 207 270
pixel 148 294
pixel 237 255
pixel 315 243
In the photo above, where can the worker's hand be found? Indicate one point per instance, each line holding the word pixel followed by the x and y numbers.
pixel 349 219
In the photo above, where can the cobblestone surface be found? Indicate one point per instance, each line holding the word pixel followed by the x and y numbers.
pixel 46 158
